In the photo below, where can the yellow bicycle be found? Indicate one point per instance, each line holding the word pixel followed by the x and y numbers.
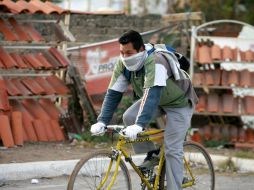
pixel 105 169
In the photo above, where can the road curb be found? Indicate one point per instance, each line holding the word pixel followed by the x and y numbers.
pixel 23 171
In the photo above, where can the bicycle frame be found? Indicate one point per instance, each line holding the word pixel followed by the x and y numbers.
pixel 143 137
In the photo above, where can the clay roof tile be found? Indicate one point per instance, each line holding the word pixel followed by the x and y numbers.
pixel 32 6
pixel 31 60
pixel 35 109
pixel 21 87
pixel 33 86
pixel 10 6
pixel 19 60
pixel 19 30
pixel 6 31
pixel 63 60
pixel 7 60
pixel 40 57
pixel 12 89
pixel 43 6
pixel 4 102
pixel 34 34
pixel 57 84
pixel 45 85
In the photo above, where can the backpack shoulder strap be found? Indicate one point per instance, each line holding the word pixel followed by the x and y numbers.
pixel 127 74
pixel 151 50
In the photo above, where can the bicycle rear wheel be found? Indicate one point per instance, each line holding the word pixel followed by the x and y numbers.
pixel 198 169
pixel 91 171
pixel 201 167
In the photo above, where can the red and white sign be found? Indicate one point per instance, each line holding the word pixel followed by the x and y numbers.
pixel 97 64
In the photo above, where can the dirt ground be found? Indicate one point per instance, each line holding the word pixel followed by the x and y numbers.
pixel 50 151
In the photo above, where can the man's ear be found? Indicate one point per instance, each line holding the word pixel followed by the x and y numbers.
pixel 142 48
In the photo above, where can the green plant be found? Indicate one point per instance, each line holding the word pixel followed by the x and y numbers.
pixel 86 136
pixel 215 143
pixel 74 105
pixel 218 9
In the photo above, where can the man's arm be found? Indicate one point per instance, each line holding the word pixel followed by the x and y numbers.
pixel 110 103
pixel 118 85
pixel 155 81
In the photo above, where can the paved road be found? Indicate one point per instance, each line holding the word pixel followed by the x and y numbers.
pixel 224 181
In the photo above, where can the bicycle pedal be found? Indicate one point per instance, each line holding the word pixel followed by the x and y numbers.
pixel 143 169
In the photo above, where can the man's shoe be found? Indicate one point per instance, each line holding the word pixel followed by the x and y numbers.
pixel 150 163
pixel 151 160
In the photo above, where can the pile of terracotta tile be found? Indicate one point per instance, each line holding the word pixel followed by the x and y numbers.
pixel 29 82
pixel 46 59
pixel 14 31
pixel 28 86
pixel 217 77
pixel 227 133
pixel 24 31
pixel 30 120
pixel 25 113
pixel 225 104
pixel 208 53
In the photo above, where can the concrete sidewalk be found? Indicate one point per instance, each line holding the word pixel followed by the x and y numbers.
pixel 22 171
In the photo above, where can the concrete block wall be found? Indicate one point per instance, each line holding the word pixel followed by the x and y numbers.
pixel 96 28
pixel 90 28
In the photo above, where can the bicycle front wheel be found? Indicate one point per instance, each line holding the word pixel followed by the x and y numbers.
pixel 90 173
pixel 198 169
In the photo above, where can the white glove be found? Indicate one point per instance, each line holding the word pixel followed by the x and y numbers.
pixel 132 131
pixel 98 128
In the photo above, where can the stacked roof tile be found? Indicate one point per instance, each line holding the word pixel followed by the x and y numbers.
pixel 223 78
pixel 39 117
pixel 47 59
pixel 240 137
pixel 42 127
pixel 27 102
pixel 207 53
pixel 30 7
pixel 13 30
pixel 38 121
pixel 224 72
pixel 28 86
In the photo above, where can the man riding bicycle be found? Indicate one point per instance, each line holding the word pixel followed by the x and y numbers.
pixel 163 88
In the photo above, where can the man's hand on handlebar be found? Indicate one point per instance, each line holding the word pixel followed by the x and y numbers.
pixel 132 131
pixel 98 128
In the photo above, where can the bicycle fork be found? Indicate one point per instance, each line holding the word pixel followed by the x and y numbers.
pixel 118 158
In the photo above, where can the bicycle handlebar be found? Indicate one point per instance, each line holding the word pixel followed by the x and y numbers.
pixel 114 127
pixel 119 130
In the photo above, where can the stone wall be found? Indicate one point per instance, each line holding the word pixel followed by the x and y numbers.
pixel 96 28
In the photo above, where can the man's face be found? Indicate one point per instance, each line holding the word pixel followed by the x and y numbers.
pixel 127 50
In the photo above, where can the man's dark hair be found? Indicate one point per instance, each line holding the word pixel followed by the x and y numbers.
pixel 134 37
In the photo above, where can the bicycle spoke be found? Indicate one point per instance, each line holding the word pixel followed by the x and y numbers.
pixel 91 172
